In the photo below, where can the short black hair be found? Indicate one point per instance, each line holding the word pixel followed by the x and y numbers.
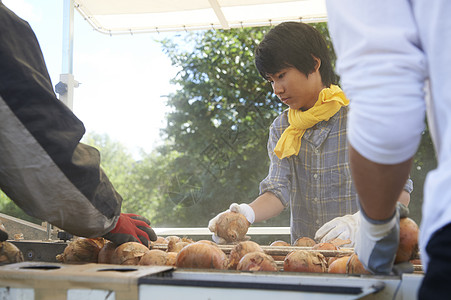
pixel 294 44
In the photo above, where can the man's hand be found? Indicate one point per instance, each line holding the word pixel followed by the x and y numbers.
pixel 344 228
pixel 377 241
pixel 243 209
pixel 131 228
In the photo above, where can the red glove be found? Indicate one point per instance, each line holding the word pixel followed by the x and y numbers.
pixel 131 228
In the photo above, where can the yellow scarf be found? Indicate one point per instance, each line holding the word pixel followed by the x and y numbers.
pixel 329 102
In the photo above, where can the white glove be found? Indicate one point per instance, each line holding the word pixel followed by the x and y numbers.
pixel 378 241
pixel 243 209
pixel 343 228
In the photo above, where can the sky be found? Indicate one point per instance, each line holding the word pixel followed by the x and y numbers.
pixel 123 79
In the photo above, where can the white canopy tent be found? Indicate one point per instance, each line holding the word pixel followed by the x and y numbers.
pixel 133 16
pixel 145 16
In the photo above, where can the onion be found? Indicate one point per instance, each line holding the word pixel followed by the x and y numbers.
pixel 9 253
pixel 201 256
pixel 354 266
pixel 338 265
pixel 128 253
pixel 79 251
pixel 408 240
pixel 176 246
pixel 324 246
pixel 257 261
pixel 304 242
pixel 160 241
pixel 154 257
pixel 232 226
pixel 173 238
pixel 106 252
pixel 240 250
pixel 171 259
pixel 305 261
pixel 279 243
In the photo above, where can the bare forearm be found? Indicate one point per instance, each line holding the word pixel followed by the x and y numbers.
pixel 379 186
pixel 266 206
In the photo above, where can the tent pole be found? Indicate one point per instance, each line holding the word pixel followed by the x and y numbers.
pixel 65 88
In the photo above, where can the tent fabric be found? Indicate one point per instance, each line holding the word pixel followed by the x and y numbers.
pixel 135 16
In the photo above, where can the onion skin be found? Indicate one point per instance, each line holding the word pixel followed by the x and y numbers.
pixel 171 259
pixel 128 253
pixel 232 227
pixel 408 240
pixel 9 253
pixel 354 266
pixel 304 242
pixel 241 249
pixel 324 246
pixel 106 252
pixel 176 246
pixel 305 261
pixel 201 256
pixel 154 258
pixel 173 238
pixel 257 261
pixel 80 251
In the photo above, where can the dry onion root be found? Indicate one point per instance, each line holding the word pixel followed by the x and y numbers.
pixel 257 261
pixel 176 246
pixel 241 249
pixel 201 255
pixel 9 253
pixel 81 250
pixel 232 227
pixel 305 261
pixel 128 253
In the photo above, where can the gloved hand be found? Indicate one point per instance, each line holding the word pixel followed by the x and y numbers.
pixel 131 228
pixel 341 227
pixel 243 209
pixel 377 241
pixel 3 233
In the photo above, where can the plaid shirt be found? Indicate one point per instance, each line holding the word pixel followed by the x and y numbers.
pixel 316 183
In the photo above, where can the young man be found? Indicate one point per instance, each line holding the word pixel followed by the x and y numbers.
pixel 384 66
pixel 307 146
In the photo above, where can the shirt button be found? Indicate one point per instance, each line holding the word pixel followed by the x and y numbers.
pixel 315 199
pixel 317 222
pixel 315 176
pixel 316 151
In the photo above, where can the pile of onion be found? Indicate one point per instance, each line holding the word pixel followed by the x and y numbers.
pixel 257 261
pixel 129 253
pixel 305 261
pixel 81 250
pixel 241 249
pixel 232 227
pixel 201 255
pixel 9 253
